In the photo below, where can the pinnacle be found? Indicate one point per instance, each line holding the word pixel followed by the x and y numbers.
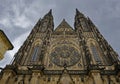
pixel 78 12
pixel 50 12
pixel 63 20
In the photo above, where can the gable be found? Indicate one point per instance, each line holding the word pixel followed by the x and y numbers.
pixel 64 28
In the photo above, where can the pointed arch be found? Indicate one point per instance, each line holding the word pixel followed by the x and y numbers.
pixel 95 51
pixel 36 50
pixel 35 53
pixel 37 42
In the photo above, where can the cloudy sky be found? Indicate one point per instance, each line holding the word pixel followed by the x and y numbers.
pixel 17 18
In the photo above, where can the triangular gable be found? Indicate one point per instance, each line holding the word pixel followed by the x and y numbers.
pixel 65 78
pixel 64 26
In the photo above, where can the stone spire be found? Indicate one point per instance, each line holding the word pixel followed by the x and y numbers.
pixel 81 26
pixel 47 22
pixel 79 13
pixel 81 22
pixel 41 32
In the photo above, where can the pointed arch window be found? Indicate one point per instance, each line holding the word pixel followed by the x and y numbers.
pixel 35 53
pixel 95 54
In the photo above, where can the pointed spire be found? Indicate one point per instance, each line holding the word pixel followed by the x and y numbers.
pixel 79 13
pixel 80 18
pixel 63 20
pixel 50 12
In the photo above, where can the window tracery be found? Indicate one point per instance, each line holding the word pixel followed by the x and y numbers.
pixel 95 54
pixel 65 55
pixel 35 53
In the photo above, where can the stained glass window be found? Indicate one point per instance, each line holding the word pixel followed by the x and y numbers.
pixel 35 53
pixel 65 55
pixel 95 54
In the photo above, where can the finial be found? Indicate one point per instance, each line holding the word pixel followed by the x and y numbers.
pixel 77 11
pixel 40 19
pixel 50 12
pixel 63 19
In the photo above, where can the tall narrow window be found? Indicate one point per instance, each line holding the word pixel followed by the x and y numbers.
pixel 35 53
pixel 95 54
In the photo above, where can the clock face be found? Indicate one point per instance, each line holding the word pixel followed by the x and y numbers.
pixel 65 56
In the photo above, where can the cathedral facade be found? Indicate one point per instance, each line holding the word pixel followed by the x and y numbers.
pixel 63 55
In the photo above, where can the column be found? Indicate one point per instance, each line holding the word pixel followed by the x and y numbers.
pixel 26 80
pixel 35 75
pixel 6 75
pixel 96 76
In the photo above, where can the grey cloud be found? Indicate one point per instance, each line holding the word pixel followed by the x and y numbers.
pixel 7 59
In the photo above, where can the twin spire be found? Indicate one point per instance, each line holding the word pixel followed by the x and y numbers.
pixel 77 13
pixel 49 19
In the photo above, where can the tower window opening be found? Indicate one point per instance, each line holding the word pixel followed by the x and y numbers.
pixel 95 54
pixel 35 53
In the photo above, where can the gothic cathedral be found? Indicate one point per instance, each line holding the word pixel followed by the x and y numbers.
pixel 63 55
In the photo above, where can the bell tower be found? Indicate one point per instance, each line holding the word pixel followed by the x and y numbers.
pixel 63 55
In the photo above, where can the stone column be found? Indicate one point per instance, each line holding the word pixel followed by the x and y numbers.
pixel 118 75
pixel 53 80
pixel 26 80
pixel 35 75
pixel 96 76
pixel 89 80
pixel 112 78
pixel 20 77
pixel 6 75
pixel 105 80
